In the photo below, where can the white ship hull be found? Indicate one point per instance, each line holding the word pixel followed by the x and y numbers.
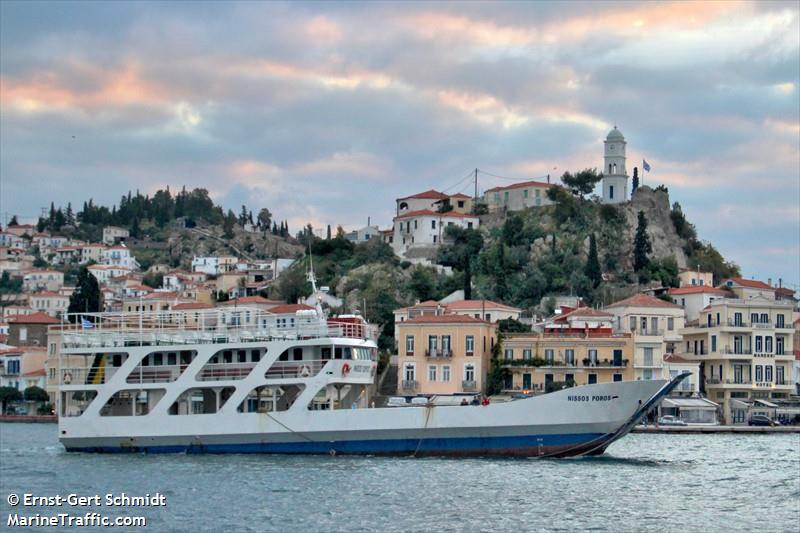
pixel 577 421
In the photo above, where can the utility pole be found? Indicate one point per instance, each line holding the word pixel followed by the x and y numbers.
pixel 476 183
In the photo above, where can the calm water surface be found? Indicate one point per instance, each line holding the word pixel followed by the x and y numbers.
pixel 644 483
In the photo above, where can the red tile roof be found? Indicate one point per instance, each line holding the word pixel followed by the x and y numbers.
pixel 785 291
pixel 252 300
pixel 428 195
pixel 34 373
pixel 428 212
pixel 585 311
pixel 35 318
pixel 460 195
pixel 675 358
pixel 750 283
pixel 520 185
pixel 290 308
pixel 478 304
pixel 643 300
pixel 191 305
pixel 444 319
pixel 697 289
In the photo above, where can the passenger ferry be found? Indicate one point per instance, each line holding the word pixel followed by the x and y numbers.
pixel 243 380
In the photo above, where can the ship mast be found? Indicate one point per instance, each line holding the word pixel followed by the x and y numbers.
pixel 313 280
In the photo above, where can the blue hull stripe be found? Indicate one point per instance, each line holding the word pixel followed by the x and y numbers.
pixel 516 445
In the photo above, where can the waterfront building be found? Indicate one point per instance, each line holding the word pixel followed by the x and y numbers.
pixel 104 273
pixel 517 196
pixel 695 298
pixel 92 252
pixel 444 354
pixel 615 176
pixel 744 347
pixel 484 309
pixel 655 325
pixel 541 362
pixel 363 234
pixel 119 256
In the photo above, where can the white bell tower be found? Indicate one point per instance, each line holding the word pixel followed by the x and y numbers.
pixel 615 176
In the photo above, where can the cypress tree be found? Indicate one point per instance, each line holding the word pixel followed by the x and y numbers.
pixel 642 247
pixel 635 182
pixel 86 297
pixel 593 271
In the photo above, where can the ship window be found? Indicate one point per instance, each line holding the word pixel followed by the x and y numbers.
pixel 132 402
pixel 337 353
pixel 297 354
pixel 255 356
pixel 158 359
pixel 326 353
pixel 241 356
pixel 348 353
pixel 284 356
pixel 227 356
pixel 146 360
pixel 74 403
pixel 172 358
pixel 201 401
pixel 266 399
pixel 116 359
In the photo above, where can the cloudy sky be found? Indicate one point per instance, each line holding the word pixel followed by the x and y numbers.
pixel 326 112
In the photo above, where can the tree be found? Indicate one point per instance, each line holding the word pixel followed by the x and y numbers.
pixel 512 325
pixel 635 182
pixel 496 377
pixel 583 182
pixel 227 225
pixel 86 297
pixel 8 395
pixel 328 235
pixel 422 283
pixel 36 394
pixel 13 222
pixel 642 247
pixel 264 219
pixel 465 244
pixel 593 270
pixel 293 284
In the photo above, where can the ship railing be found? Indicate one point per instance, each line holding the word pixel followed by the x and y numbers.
pixel 295 369
pixel 86 375
pixel 103 330
pixel 224 371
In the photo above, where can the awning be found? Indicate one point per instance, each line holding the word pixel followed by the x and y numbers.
pixel 765 403
pixel 740 404
pixel 690 403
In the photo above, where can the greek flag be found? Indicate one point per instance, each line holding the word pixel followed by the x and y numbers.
pixel 86 324
pixel 645 165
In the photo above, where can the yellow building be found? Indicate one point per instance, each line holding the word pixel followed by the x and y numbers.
pixel 533 360
pixel 745 350
pixel 444 354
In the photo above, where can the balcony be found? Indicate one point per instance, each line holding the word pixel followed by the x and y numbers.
pixel 469 385
pixel 649 332
pixel 726 350
pixel 409 384
pixel 436 353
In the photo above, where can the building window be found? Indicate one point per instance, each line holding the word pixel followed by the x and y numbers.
pixel 718 319
pixel 431 372
pixel 433 342
pixel 768 344
pixel 525 193
pixel 409 372
pixel 737 319
pixel 446 345
pixel 648 357
pixel 433 224
pixel 633 323
pixel 446 373
pixel 617 377
pixel 611 191
pixel 526 355
pixel 409 345
pixel 759 373
pixel 548 356
pixel 592 379
pixel 469 225
pixel 713 343
pixel 509 354
pixel 779 346
pixel 758 344
pixel 779 321
pixel 754 318
pixel 505 197
pixel 670 324
pixel 415 224
pixel 470 343
pixel 768 374
pixel 526 381
pixel 569 357
pixel 764 318
pixel 779 377
pixel 592 357
pixel 469 372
